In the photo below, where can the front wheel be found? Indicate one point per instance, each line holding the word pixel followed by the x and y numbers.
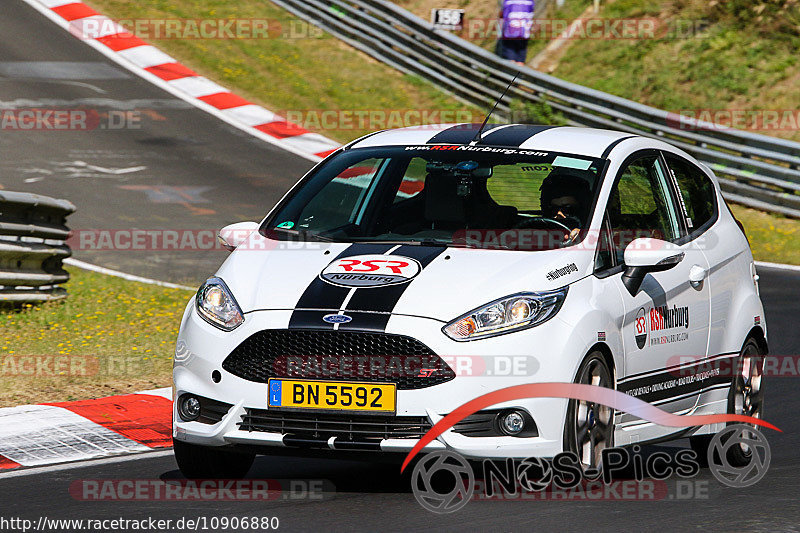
pixel 746 397
pixel 208 462
pixel 589 427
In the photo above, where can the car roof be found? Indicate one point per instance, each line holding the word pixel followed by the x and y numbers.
pixel 583 141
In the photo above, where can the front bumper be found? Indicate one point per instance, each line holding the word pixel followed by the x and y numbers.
pixel 481 367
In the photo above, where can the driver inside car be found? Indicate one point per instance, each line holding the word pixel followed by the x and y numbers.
pixel 566 198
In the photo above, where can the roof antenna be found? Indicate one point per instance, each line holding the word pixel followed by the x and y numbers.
pixel 478 135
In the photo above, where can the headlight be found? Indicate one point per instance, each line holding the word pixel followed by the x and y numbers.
pixel 512 313
pixel 216 305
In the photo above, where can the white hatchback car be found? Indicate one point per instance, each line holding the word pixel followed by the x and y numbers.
pixel 416 269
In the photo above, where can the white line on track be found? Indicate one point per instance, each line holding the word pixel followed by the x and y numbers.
pixel 778 266
pixel 130 277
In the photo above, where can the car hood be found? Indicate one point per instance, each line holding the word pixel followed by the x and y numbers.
pixel 445 282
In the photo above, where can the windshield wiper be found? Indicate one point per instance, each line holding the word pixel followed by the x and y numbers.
pixel 427 242
pixel 432 242
pixel 304 234
pixel 410 242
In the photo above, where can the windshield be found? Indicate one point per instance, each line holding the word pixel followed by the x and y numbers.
pixel 439 194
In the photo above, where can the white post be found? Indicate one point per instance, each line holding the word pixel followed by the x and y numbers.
pixel 596 6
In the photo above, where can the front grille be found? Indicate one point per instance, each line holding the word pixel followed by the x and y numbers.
pixel 325 426
pixel 330 354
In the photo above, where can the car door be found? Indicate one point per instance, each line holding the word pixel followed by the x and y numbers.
pixel 667 320
pixel 699 201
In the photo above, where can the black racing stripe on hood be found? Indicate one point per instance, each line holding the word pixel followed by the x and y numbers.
pixel 380 302
pixel 372 322
pixel 322 295
pixel 460 134
pixel 309 319
pixel 513 135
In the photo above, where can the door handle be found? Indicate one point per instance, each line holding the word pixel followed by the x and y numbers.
pixel 697 275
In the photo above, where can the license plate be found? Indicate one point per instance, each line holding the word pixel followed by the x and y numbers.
pixel 332 395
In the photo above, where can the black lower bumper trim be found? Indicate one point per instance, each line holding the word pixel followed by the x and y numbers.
pixel 302 442
pixel 339 444
pixel 293 441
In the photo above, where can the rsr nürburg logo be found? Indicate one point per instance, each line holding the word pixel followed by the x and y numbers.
pixel 659 318
pixel 641 328
pixel 366 271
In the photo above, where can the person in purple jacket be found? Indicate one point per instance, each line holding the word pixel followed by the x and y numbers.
pixel 517 17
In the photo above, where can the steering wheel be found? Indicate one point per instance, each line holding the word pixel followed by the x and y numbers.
pixel 535 221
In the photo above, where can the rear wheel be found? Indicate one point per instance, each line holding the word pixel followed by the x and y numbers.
pixel 746 397
pixel 589 428
pixel 208 462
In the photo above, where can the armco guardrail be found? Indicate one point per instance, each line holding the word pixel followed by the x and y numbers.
pixel 754 170
pixel 33 232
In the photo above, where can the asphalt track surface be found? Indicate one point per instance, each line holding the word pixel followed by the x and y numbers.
pixel 242 177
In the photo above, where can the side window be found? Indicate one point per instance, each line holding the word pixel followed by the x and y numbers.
pixel 413 180
pixel 339 202
pixel 519 185
pixel 641 205
pixel 697 192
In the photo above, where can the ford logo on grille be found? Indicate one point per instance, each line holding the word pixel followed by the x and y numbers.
pixel 337 319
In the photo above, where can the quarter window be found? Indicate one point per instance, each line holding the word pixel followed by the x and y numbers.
pixel 697 192
pixel 605 249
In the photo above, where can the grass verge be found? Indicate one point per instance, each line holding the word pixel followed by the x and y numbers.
pixel 699 59
pixel 773 238
pixel 110 336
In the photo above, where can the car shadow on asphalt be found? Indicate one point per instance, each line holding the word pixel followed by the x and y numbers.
pixel 362 476
pixel 341 476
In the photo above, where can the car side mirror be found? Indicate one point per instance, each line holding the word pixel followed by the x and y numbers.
pixel 232 235
pixel 644 256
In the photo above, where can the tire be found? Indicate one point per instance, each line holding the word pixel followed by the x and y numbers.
pixel 745 397
pixel 208 462
pixel 589 427
pixel 700 444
